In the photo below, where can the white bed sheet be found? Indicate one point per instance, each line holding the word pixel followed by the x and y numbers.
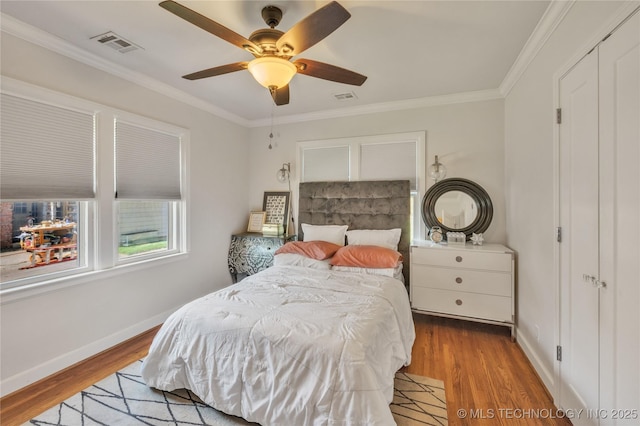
pixel 290 346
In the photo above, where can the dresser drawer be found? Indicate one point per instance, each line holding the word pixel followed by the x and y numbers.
pixel 467 259
pixel 466 280
pixel 496 308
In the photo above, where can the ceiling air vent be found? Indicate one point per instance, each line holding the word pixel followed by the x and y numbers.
pixel 116 42
pixel 345 96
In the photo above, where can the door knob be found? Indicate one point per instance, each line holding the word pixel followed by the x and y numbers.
pixel 593 281
pixel 599 284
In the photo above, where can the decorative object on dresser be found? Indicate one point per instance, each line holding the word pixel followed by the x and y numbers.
pixel 256 220
pixel 477 239
pixel 435 234
pixel 250 253
pixel 456 238
pixel 272 229
pixel 276 205
pixel 468 282
pixel 457 205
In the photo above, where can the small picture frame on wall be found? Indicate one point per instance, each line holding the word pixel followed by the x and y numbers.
pixel 276 207
pixel 256 220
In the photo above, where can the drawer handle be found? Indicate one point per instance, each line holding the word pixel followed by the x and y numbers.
pixel 458 258
pixel 459 280
pixel 458 302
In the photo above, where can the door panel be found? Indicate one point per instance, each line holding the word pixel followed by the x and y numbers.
pixel 579 249
pixel 620 222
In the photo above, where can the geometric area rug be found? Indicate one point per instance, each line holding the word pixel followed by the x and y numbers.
pixel 124 399
pixel 418 400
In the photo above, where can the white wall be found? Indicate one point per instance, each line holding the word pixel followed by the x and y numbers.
pixel 467 137
pixel 530 167
pixel 45 332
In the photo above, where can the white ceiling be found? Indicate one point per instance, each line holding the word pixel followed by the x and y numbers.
pixel 410 50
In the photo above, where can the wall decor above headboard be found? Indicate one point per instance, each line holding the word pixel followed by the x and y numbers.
pixel 383 204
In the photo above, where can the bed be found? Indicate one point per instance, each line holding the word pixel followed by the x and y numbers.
pixel 299 345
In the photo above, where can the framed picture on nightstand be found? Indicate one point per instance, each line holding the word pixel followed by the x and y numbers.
pixel 276 207
pixel 256 220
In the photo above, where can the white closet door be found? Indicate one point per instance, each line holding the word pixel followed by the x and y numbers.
pixel 620 224
pixel 579 248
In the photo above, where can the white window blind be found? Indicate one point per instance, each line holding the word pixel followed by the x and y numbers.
pixel 326 164
pixel 147 163
pixel 393 160
pixel 46 152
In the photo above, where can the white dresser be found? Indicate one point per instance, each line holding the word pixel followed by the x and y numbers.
pixel 474 283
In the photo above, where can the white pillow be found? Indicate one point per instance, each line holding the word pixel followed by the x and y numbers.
pixel 293 259
pixel 332 233
pixel 387 272
pixel 388 238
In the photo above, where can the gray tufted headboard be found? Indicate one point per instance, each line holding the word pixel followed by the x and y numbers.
pixel 361 205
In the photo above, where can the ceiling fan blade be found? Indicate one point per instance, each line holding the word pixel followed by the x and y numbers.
pixel 210 26
pixel 329 72
pixel 312 29
pixel 280 96
pixel 211 72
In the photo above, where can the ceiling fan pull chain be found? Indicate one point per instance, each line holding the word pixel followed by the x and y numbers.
pixel 271 132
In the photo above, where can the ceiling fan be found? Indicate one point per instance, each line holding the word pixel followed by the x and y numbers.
pixel 273 48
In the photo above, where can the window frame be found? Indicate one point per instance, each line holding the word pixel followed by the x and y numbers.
pixel 176 237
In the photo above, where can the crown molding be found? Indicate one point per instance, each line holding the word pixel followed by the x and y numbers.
pixel 550 20
pixel 457 98
pixel 34 35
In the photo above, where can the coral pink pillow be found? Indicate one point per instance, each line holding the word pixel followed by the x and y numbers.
pixel 366 257
pixel 318 250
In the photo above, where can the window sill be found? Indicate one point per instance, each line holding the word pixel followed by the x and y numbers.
pixel 35 289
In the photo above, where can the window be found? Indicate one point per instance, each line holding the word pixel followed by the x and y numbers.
pixel 145 228
pixel 20 208
pixel 148 190
pixel 326 164
pixel 50 194
pixel 381 157
pixel 47 174
pixel 41 233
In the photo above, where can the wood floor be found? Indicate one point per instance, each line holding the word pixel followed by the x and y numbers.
pixel 488 380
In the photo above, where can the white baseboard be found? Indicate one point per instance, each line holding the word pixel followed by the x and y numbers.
pixel 547 377
pixel 43 370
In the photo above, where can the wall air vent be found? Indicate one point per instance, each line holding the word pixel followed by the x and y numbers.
pixel 116 42
pixel 345 96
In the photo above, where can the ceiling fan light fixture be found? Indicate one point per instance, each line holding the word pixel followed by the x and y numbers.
pixel 271 71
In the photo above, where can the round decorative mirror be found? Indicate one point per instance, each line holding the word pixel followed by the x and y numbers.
pixel 457 205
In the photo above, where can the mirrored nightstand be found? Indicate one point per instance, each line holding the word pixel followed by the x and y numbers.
pixel 252 252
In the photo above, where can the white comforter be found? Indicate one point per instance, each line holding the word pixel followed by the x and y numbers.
pixel 290 346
